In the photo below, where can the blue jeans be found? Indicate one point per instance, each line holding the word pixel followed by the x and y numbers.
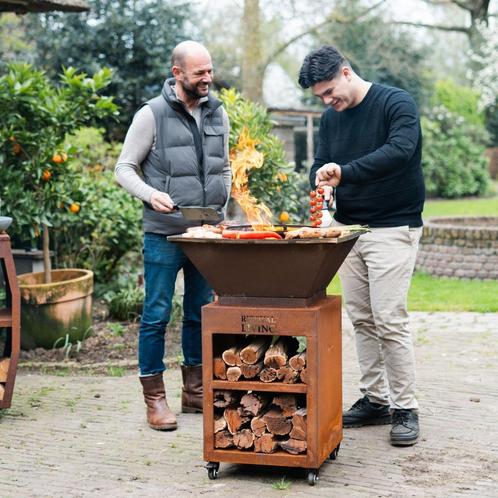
pixel 162 262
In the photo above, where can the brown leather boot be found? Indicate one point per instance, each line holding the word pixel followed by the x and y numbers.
pixel 192 389
pixel 159 416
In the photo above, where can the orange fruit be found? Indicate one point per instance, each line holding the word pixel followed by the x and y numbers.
pixel 284 217
pixel 59 157
pixel 74 208
pixel 46 175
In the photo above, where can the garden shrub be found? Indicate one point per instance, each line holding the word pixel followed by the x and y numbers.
pixel 453 155
pixel 276 184
pixel 36 179
pixel 110 220
pixel 460 100
pixel 109 225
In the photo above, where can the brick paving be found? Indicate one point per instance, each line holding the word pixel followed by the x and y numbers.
pixel 83 436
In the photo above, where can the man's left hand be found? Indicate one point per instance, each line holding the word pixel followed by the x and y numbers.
pixel 328 174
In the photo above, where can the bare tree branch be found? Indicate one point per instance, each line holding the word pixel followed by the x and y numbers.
pixel 459 29
pixel 333 17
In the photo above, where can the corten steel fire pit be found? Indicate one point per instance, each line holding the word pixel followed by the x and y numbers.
pixel 273 288
pixel 296 271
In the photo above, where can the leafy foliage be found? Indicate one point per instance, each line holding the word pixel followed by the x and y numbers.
pixel 36 116
pixel 132 38
pixel 458 99
pixel 276 183
pixel 453 156
pixel 125 303
pixel 109 222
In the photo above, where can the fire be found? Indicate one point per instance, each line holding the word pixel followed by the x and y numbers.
pixel 244 157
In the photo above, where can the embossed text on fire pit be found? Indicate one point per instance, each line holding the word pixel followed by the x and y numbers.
pixel 258 323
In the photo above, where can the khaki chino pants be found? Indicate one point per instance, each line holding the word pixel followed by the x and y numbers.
pixel 375 278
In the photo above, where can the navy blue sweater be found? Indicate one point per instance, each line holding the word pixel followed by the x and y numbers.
pixel 378 145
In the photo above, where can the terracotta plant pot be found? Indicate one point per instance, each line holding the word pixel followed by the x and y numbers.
pixel 52 311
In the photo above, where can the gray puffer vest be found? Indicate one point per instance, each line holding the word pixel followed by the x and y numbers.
pixel 186 163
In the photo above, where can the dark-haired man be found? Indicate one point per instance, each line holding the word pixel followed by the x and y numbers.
pixel 175 153
pixel 370 150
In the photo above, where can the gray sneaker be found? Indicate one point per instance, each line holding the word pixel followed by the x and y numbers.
pixel 364 412
pixel 405 429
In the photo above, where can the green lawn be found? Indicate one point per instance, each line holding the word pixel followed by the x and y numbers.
pixel 462 207
pixel 428 293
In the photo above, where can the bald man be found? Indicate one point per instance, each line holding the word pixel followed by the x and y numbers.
pixel 175 153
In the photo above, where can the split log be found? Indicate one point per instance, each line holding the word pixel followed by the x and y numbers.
pixel 219 368
pixel 258 426
pixel 231 356
pixel 223 439
pixel 220 423
pixel 287 403
pixel 233 374
pixel 287 375
pixel 299 427
pixel 302 375
pixel 277 354
pixel 251 371
pixel 293 446
pixel 276 423
pixel 268 375
pixel 252 404
pixel 234 419
pixel 255 350
pixel 265 444
pixel 244 439
pixel 298 361
pixel 4 369
pixel 222 399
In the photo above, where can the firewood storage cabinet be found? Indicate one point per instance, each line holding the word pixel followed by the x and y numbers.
pixel 320 323
pixel 10 320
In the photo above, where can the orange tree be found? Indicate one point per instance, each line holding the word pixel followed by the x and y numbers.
pixel 35 182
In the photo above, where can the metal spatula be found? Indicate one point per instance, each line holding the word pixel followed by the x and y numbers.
pixel 199 213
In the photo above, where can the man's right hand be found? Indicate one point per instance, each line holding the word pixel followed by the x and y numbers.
pixel 160 201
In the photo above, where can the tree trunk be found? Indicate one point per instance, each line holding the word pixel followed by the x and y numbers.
pixel 252 53
pixel 47 267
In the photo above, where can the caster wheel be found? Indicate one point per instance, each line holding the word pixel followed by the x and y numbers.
pixel 313 477
pixel 334 453
pixel 212 468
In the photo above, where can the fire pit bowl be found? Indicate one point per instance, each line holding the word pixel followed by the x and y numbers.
pixel 296 268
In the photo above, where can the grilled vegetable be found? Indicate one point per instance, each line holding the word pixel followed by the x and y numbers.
pixel 246 235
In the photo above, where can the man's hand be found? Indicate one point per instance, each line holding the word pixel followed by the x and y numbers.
pixel 160 201
pixel 328 174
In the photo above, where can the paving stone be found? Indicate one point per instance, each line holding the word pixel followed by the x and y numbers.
pixel 83 436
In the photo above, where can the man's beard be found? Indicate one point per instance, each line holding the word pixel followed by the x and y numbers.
pixel 191 91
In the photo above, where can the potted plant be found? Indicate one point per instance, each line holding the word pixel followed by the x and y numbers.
pixel 37 185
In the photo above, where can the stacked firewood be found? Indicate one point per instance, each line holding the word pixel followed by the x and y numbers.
pixel 261 422
pixel 262 358
pixel 4 368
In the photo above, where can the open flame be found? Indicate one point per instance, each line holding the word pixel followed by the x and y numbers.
pixel 244 157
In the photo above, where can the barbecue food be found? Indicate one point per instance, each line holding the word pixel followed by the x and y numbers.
pixel 204 232
pixel 314 233
pixel 246 234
